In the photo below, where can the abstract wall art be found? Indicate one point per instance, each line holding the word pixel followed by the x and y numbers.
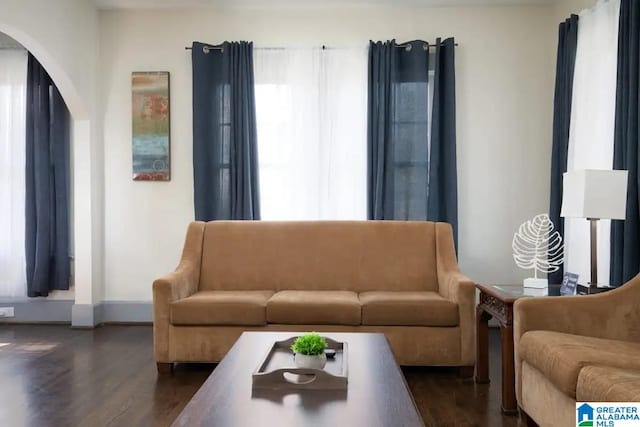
pixel 150 126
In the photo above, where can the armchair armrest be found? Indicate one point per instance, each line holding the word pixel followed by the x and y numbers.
pixel 176 285
pixel 612 314
pixel 456 287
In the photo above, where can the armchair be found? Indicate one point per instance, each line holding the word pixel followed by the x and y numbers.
pixel 559 341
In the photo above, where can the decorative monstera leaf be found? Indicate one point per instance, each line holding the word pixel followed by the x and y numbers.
pixel 536 246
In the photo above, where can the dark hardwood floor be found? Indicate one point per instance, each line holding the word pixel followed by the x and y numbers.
pixel 57 376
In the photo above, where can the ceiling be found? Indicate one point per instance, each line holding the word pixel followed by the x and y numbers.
pixel 153 4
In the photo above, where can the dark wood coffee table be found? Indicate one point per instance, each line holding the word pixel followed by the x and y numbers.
pixel 377 393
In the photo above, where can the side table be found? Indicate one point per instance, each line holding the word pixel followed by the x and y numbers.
pixel 496 301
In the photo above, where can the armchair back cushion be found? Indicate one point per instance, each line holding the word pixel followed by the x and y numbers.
pixel 331 255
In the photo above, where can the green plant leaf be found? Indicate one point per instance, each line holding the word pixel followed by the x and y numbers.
pixel 309 344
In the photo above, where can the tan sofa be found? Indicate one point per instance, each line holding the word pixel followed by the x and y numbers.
pixel 582 348
pixel 399 278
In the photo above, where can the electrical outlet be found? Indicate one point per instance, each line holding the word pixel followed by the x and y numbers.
pixel 6 312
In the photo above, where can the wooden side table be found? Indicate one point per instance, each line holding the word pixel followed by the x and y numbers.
pixel 496 301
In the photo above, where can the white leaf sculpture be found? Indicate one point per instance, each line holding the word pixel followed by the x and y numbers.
pixel 537 246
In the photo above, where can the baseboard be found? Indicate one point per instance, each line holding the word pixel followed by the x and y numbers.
pixel 81 316
pixel 126 312
pixel 47 311
pixel 38 310
pixel 112 312
pixel 85 316
pixel 128 323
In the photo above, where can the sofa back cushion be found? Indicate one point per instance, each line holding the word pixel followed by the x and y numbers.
pixel 319 255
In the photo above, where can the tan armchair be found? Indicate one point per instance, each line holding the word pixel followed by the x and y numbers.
pixel 570 349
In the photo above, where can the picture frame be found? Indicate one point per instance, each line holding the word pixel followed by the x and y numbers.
pixel 569 284
pixel 150 126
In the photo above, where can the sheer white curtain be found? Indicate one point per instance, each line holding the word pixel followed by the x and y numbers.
pixel 13 83
pixel 312 117
pixel 592 126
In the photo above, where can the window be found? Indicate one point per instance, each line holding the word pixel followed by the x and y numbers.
pixel 311 120
pixel 13 87
pixel 411 129
pixel 223 163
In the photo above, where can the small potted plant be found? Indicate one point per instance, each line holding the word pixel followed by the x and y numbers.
pixel 308 351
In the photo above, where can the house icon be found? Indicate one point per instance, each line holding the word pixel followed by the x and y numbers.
pixel 585 415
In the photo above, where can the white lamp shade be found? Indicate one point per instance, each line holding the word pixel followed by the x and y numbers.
pixel 600 194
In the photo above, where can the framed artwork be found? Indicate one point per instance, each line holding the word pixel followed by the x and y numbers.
pixel 569 283
pixel 150 122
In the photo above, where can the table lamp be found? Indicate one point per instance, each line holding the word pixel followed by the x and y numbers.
pixel 594 195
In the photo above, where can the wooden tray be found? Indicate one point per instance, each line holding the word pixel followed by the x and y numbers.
pixel 277 370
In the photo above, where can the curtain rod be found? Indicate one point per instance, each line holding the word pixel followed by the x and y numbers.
pixel 425 46
pixel 406 46
pixel 208 48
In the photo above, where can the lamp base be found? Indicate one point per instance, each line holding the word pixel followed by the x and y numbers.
pixel 536 283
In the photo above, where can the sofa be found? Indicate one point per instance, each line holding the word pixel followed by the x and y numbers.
pixel 400 278
pixel 581 348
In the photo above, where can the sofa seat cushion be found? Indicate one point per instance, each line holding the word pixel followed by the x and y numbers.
pixel 407 309
pixel 560 357
pixel 221 308
pixel 605 384
pixel 314 307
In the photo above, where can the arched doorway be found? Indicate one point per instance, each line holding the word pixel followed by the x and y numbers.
pixel 86 265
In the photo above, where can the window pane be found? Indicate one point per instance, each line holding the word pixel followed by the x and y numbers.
pixel 225 207
pixel 411 100
pixel 410 190
pixel 311 121
pixel 410 142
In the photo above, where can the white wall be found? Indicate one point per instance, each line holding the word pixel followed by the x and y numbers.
pixel 564 8
pixel 61 34
pixel 505 71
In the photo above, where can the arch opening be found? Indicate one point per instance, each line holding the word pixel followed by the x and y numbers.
pixel 76 105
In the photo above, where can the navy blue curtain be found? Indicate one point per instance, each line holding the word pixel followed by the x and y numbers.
pixel 442 201
pixel 382 71
pixel 47 184
pixel 225 158
pixel 625 235
pixel 565 66
pixel 410 178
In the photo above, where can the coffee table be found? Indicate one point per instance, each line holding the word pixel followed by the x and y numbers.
pixel 377 393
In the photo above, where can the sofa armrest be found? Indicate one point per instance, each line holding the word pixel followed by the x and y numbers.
pixel 178 284
pixel 175 286
pixel 456 287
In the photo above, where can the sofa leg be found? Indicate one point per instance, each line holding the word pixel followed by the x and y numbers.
pixel 165 368
pixel 466 371
pixel 526 419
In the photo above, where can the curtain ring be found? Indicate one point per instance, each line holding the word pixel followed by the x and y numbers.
pixel 207 49
pixel 425 46
pixel 408 48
